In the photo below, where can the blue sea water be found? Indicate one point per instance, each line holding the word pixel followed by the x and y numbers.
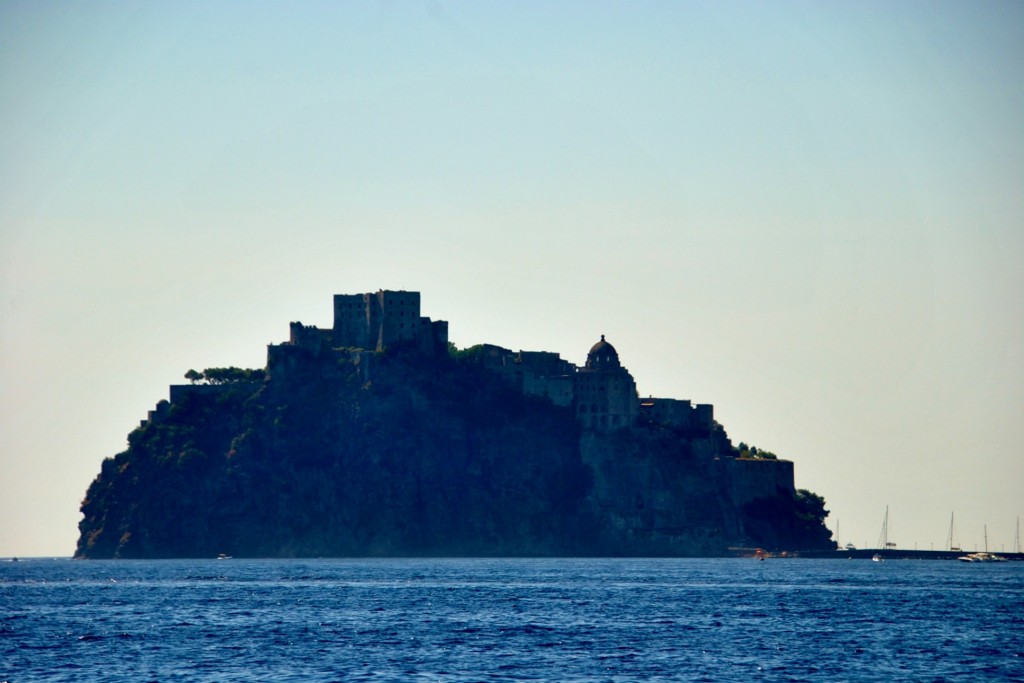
pixel 510 620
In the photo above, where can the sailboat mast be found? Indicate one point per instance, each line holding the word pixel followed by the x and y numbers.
pixel 952 543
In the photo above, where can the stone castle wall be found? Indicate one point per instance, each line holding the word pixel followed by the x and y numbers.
pixel 752 478
pixel 534 373
pixel 677 413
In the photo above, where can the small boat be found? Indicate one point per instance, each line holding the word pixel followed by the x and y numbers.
pixel 877 558
pixel 222 556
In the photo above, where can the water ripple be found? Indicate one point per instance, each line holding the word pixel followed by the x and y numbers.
pixel 505 620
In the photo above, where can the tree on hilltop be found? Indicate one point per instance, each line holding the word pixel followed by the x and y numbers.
pixel 230 375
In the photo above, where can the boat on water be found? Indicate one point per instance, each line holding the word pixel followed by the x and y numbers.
pixel 883 538
pixel 984 556
pixel 981 557
pixel 951 543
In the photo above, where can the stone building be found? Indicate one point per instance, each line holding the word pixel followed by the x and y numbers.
pixel 534 373
pixel 605 393
pixel 363 325
pixel 680 414
pixel 376 320
pixel 602 393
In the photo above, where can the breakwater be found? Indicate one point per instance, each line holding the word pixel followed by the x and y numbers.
pixel 899 554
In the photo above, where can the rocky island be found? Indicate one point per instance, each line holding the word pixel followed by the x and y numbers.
pixel 377 437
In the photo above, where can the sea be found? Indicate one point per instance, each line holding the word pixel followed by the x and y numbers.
pixel 511 620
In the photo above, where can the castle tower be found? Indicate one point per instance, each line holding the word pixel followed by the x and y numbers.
pixel 605 392
pixel 354 318
pixel 399 316
pixel 375 321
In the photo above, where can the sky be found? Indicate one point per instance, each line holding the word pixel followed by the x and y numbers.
pixel 810 215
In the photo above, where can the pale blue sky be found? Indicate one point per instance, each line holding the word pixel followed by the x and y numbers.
pixel 808 214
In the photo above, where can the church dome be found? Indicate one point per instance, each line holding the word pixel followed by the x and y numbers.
pixel 602 356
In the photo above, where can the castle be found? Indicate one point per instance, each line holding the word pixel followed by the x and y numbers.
pixel 602 393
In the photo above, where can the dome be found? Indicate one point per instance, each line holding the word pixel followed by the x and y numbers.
pixel 602 356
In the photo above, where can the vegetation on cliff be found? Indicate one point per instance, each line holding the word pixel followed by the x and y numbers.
pixel 788 522
pixel 408 455
pixel 754 453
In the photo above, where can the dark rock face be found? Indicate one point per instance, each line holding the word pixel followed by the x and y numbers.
pixel 421 456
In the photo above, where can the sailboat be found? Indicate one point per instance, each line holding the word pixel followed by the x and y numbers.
pixel 983 556
pixel 951 543
pixel 883 538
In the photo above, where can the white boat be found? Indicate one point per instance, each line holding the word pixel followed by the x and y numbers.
pixel 985 556
pixel 982 557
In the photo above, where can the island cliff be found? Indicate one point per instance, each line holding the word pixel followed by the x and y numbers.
pixel 378 438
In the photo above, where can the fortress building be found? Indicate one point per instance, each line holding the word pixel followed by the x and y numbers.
pixel 605 392
pixel 364 324
pixel 375 321
pixel 602 393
